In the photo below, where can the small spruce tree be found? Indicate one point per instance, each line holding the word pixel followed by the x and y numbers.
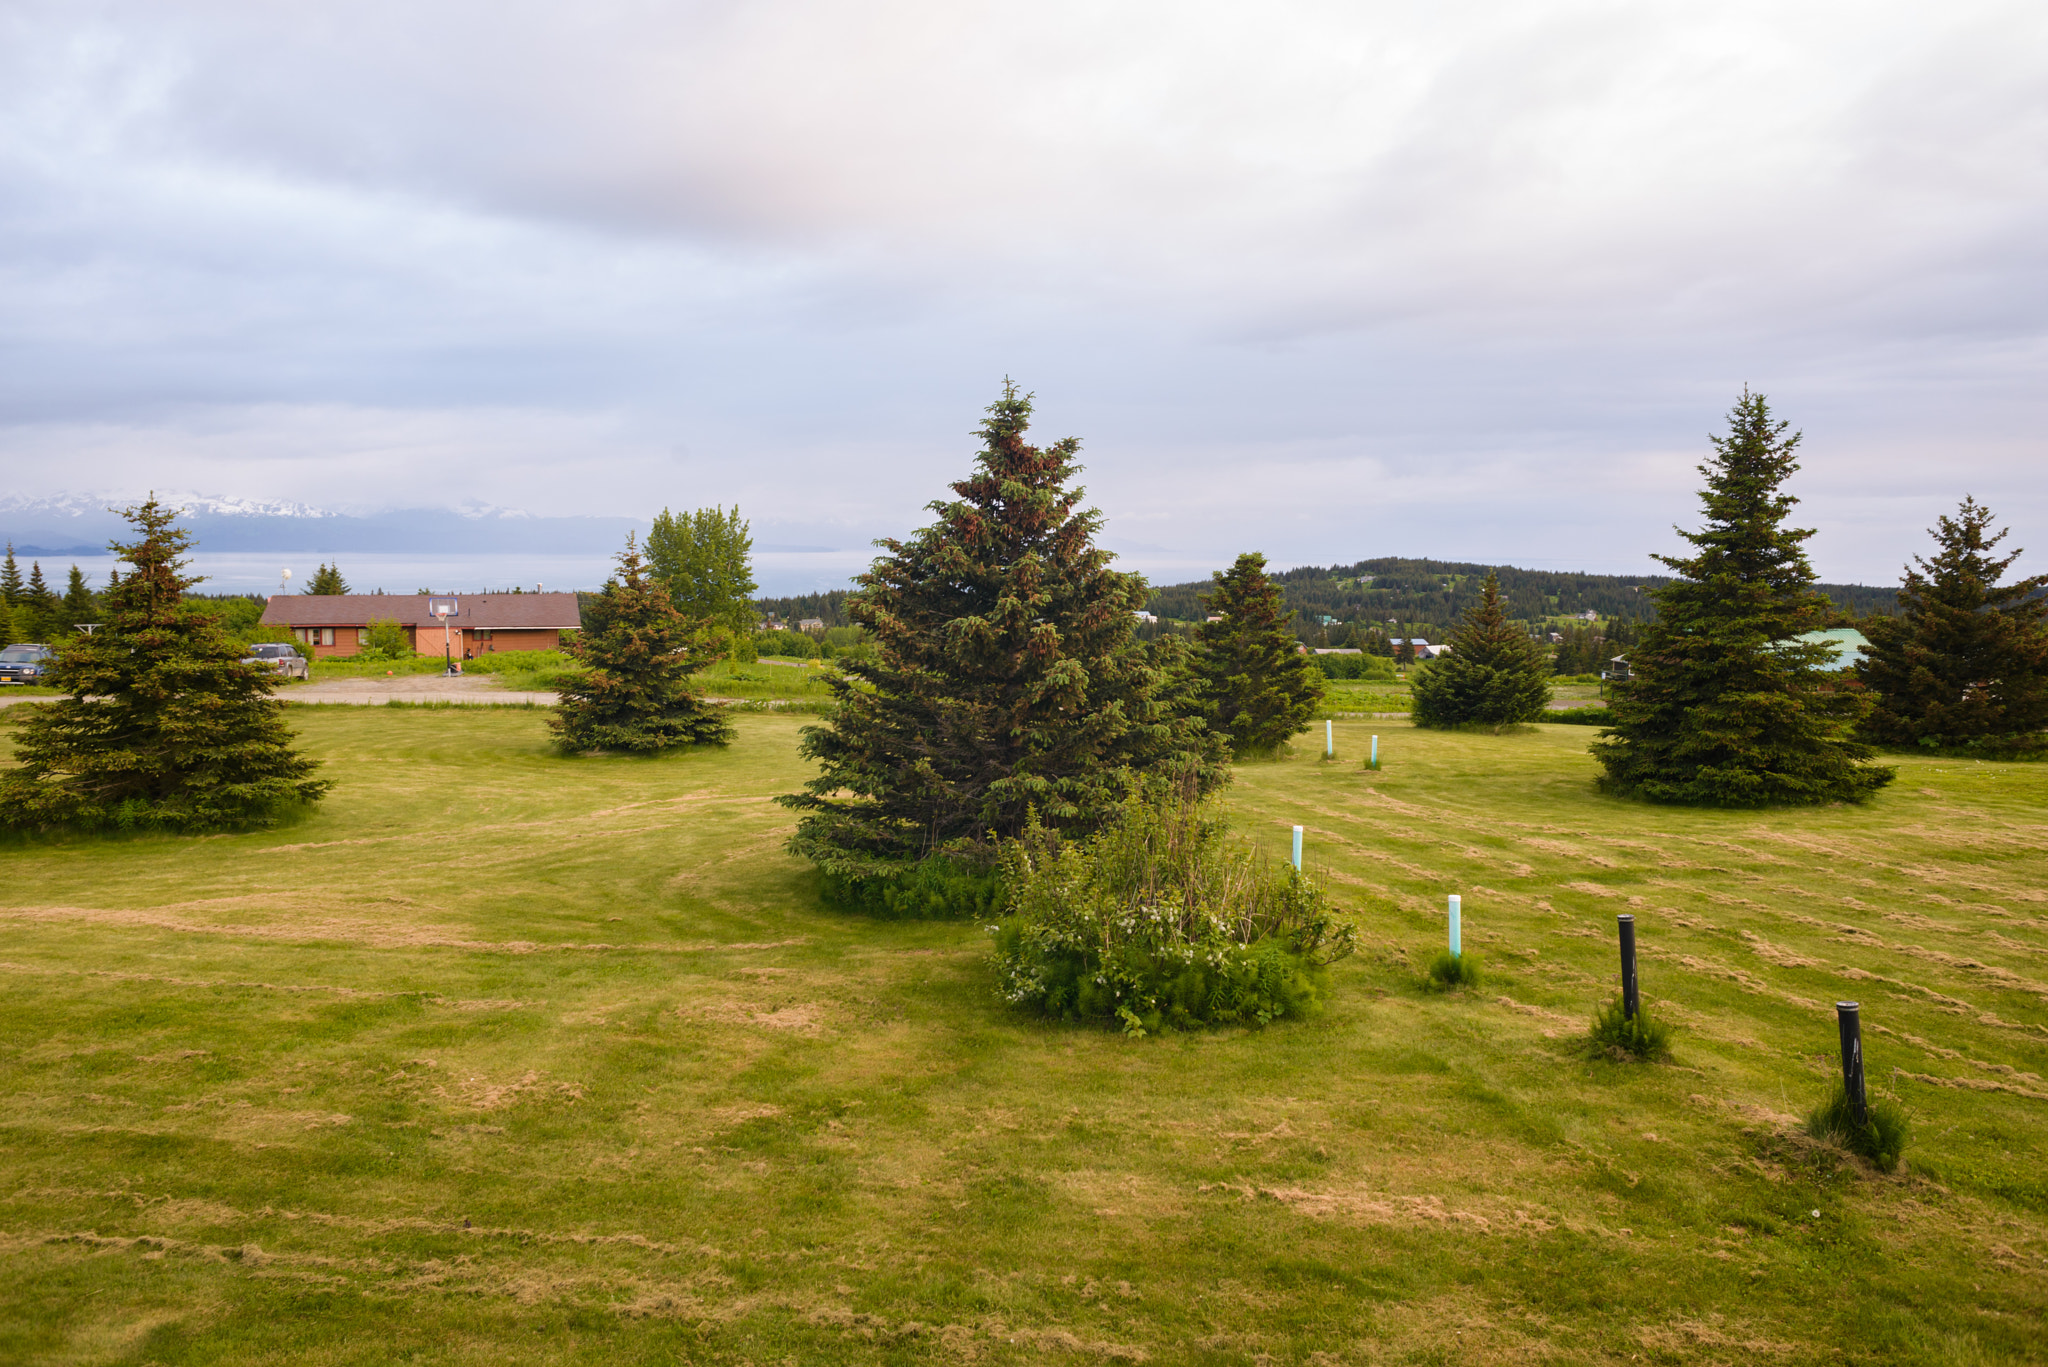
pixel 1965 663
pixel 79 606
pixel 1258 689
pixel 165 727
pixel 636 695
pixel 327 580
pixel 10 579
pixel 1404 647
pixel 1493 676
pixel 1723 706
pixel 1004 678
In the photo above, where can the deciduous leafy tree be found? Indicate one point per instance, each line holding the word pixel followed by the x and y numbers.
pixel 703 561
pixel 1723 705
pixel 1493 676
pixel 164 727
pixel 1965 663
pixel 636 695
pixel 1257 687
pixel 327 580
pixel 1004 677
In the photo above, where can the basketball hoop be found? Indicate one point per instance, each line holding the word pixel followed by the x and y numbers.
pixel 444 608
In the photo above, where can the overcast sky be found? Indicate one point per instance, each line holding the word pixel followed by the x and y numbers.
pixel 1471 280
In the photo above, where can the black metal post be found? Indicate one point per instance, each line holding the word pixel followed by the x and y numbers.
pixel 1631 995
pixel 1849 1016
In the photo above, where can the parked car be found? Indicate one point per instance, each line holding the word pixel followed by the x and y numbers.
pixel 25 664
pixel 280 657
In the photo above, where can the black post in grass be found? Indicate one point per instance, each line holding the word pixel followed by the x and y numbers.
pixel 1849 1016
pixel 1631 993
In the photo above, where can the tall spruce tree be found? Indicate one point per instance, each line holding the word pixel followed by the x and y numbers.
pixel 165 727
pixel 1004 677
pixel 1257 688
pixel 1723 705
pixel 637 695
pixel 10 579
pixel 1494 675
pixel 1965 663
pixel 327 580
pixel 39 604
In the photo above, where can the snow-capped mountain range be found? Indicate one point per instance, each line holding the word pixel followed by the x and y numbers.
pixel 82 524
pixel 82 505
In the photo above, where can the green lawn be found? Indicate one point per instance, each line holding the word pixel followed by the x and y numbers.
pixel 503 1057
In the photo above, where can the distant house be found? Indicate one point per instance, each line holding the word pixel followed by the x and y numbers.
pixel 1423 649
pixel 1149 619
pixel 1337 650
pixel 339 623
pixel 1588 616
pixel 811 624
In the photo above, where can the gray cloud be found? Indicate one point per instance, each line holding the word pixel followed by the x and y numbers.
pixel 1330 280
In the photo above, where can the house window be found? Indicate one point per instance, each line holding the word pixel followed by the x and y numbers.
pixel 362 636
pixel 483 635
pixel 326 635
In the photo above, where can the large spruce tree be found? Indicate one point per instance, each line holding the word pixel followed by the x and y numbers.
pixel 1004 677
pixel 1257 686
pixel 1494 675
pixel 1724 706
pixel 1965 663
pixel 637 695
pixel 165 727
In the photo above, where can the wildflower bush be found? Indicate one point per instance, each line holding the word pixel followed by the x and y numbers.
pixel 1159 921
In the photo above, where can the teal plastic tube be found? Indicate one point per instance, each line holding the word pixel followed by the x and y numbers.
pixel 1456 908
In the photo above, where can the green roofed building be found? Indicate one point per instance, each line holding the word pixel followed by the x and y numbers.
pixel 1847 641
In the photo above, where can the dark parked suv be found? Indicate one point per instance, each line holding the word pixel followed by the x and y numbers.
pixel 25 664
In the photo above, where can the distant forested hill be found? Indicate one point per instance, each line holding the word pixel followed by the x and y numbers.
pixel 1432 595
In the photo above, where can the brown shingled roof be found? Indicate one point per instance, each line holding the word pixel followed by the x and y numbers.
pixel 489 611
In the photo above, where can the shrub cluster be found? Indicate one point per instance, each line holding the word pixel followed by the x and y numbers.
pixel 1881 1137
pixel 938 888
pixel 1355 666
pixel 1157 921
pixel 1642 1036
pixel 1448 971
